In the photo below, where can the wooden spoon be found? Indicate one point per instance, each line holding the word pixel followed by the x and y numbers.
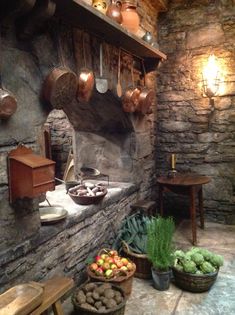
pixel 119 87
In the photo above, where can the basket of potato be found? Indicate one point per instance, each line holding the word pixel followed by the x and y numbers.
pixel 99 298
pixel 110 267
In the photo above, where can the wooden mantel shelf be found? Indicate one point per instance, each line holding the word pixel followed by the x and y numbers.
pixel 85 17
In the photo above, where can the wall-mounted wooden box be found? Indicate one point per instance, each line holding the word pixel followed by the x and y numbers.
pixel 30 175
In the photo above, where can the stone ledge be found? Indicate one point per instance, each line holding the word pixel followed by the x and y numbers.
pixel 76 214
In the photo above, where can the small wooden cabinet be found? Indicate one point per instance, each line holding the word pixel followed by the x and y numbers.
pixel 30 175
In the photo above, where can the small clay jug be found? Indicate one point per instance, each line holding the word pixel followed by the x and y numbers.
pixel 100 5
pixel 130 17
pixel 114 11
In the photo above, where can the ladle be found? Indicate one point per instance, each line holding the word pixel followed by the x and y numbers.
pixel 101 83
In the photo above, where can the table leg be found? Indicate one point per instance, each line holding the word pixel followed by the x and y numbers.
pixel 57 308
pixel 193 214
pixel 201 210
pixel 161 199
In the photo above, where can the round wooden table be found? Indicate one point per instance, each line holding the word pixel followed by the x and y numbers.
pixel 190 185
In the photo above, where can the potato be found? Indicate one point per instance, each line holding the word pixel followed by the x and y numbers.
pixel 96 295
pixel 102 309
pixel 109 293
pixel 98 304
pixel 89 287
pixel 80 297
pixel 111 303
pixel 118 299
pixel 88 307
pixel 90 300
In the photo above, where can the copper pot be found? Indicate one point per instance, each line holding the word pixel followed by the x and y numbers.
pixel 114 11
pixel 8 104
pixel 60 87
pixel 146 100
pixel 86 81
pixel 131 99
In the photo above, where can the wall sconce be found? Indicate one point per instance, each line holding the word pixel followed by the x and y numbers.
pixel 210 78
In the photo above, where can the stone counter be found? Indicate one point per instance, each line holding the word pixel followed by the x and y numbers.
pixel 62 248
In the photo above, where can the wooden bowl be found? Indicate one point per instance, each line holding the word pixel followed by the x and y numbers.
pixel 87 200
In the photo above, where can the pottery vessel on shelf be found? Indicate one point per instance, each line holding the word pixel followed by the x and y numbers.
pixel 130 17
pixel 114 11
pixel 100 5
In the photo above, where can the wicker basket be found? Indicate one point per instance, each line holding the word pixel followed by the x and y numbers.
pixel 118 310
pixel 143 265
pixel 124 281
pixel 194 283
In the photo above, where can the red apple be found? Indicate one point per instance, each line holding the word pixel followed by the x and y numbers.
pixel 129 266
pixel 124 261
pixel 124 268
pixel 99 272
pixel 97 258
pixel 113 253
pixel 109 260
pixel 104 256
pixel 106 266
pixel 108 273
pixel 100 262
pixel 119 264
pixel 94 266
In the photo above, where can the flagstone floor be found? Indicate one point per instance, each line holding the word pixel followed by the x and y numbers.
pixel 220 300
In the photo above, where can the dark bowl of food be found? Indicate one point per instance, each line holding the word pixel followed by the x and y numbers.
pixel 87 193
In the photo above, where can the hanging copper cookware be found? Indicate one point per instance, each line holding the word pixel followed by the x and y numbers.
pixel 86 80
pixel 8 103
pixel 60 85
pixel 130 99
pixel 146 97
pixel 146 100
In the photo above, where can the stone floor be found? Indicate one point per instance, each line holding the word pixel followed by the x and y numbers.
pixel 220 300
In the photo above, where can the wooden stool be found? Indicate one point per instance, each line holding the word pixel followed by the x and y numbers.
pixel 147 206
pixel 54 290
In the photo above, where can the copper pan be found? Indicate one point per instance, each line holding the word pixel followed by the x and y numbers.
pixel 59 87
pixel 86 80
pixel 8 103
pixel 146 100
pixel 130 99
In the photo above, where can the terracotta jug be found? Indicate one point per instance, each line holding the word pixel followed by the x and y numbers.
pixel 130 17
pixel 114 11
pixel 100 5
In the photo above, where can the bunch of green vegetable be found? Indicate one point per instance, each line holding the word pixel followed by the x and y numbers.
pixel 133 232
pixel 160 242
pixel 197 261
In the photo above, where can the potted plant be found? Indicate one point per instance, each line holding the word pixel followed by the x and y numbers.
pixel 160 250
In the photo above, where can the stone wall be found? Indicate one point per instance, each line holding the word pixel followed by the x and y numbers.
pixel 201 135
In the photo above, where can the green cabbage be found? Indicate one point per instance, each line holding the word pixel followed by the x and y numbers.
pixel 189 266
pixel 216 260
pixel 197 258
pixel 207 267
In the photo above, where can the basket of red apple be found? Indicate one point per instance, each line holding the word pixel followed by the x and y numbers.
pixel 108 266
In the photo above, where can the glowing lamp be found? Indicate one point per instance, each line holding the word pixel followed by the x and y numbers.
pixel 210 77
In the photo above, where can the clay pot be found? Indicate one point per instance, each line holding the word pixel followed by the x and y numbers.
pixel 100 5
pixel 130 17
pixel 114 11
